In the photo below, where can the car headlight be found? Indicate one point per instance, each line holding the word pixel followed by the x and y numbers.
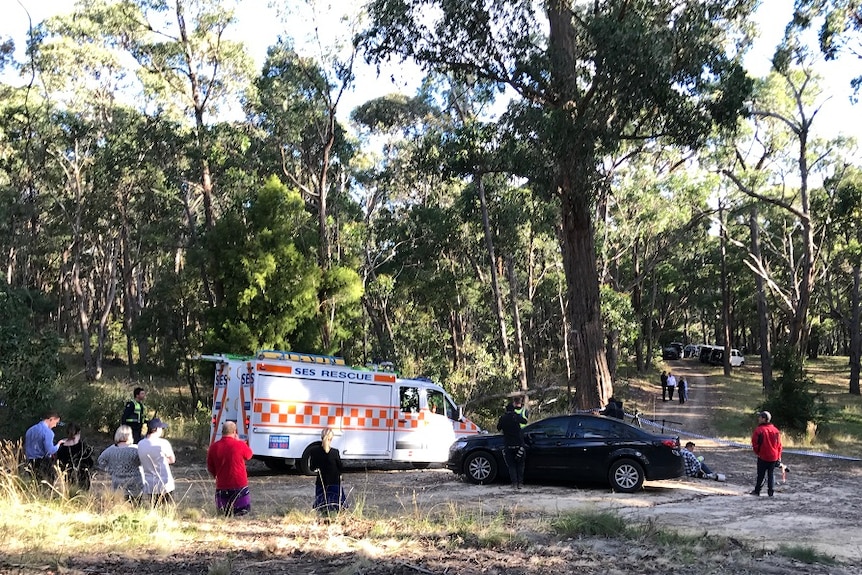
pixel 459 444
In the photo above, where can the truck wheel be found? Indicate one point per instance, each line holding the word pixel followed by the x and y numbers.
pixel 303 465
pixel 626 476
pixel 480 468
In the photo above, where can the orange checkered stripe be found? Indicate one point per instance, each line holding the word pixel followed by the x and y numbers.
pixel 466 428
pixel 367 417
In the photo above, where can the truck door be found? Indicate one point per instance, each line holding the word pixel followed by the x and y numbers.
pixel 408 442
pixel 226 396
pixel 440 419
pixel 368 420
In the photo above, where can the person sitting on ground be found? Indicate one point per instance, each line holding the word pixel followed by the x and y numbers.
pixel 695 466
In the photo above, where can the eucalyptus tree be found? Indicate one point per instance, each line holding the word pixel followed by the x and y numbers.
pixel 842 208
pixel 784 109
pixel 595 74
pixel 188 69
pixel 652 214
pixel 838 24
pixel 295 106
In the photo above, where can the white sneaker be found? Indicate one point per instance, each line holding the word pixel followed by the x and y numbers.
pixel 720 477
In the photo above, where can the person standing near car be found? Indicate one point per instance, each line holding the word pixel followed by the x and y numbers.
pixel 766 443
pixel 664 386
pixel 514 452
pixel 671 385
pixel 521 409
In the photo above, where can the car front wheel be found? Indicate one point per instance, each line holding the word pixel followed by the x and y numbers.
pixel 626 476
pixel 480 468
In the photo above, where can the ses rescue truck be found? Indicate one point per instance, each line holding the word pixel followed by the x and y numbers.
pixel 282 400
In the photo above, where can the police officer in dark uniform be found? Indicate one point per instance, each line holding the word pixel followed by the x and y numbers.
pixel 135 413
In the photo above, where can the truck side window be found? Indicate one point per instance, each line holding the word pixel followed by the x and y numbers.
pixel 436 403
pixel 410 399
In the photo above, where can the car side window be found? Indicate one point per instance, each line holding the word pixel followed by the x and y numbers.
pixel 549 428
pixel 598 428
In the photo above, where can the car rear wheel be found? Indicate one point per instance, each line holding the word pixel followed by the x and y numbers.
pixel 480 468
pixel 626 476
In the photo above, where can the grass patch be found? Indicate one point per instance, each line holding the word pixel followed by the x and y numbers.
pixel 590 524
pixel 806 555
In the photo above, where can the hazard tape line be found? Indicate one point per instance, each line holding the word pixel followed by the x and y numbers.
pixel 725 442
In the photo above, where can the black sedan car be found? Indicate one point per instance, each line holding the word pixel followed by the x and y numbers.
pixel 579 448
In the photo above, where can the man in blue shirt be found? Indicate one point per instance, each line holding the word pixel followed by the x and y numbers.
pixel 39 446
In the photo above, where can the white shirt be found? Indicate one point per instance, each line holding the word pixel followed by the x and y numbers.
pixel 156 455
pixel 671 381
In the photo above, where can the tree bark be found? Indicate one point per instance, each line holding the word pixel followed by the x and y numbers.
pixel 492 258
pixel 855 331
pixel 764 338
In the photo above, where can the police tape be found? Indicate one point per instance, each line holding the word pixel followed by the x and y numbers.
pixel 726 442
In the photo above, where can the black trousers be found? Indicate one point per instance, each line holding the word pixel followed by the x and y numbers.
pixel 515 464
pixel 765 469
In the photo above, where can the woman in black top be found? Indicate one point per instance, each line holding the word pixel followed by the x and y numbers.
pixel 75 457
pixel 326 461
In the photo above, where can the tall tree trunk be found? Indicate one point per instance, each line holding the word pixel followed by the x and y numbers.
pixel 591 376
pixel 764 338
pixel 725 293
pixel 516 319
pixel 855 331
pixel 575 163
pixel 495 281
pixel 564 320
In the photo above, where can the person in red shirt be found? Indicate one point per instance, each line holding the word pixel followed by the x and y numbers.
pixel 226 462
pixel 766 443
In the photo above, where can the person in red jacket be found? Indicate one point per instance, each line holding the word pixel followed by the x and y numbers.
pixel 226 462
pixel 766 443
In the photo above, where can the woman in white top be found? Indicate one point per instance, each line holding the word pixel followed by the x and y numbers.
pixel 157 456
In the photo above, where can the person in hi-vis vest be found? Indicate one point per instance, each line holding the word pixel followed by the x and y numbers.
pixel 135 413
pixel 520 408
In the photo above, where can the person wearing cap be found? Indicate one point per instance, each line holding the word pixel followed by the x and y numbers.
pixel 157 456
pixel 40 449
pixel 226 462
pixel 766 443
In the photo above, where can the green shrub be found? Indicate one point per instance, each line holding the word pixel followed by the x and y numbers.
pixel 29 360
pixel 794 402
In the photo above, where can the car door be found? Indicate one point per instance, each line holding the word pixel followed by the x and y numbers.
pixel 596 438
pixel 547 443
